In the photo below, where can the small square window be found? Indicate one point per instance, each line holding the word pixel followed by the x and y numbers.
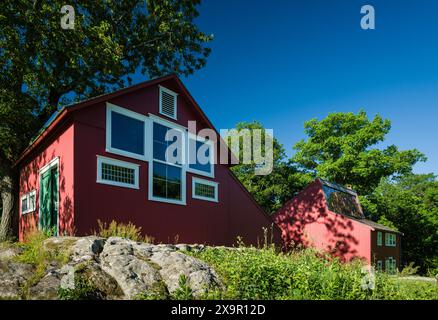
pixel 117 173
pixel 204 189
pixel 28 202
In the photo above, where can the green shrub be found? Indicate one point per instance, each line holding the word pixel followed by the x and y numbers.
pixel 250 273
pixel 34 253
pixel 409 270
pixel 183 292
pixel 83 289
pixel 117 229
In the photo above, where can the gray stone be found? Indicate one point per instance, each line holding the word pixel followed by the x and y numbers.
pixel 133 275
pixel 174 264
pixel 13 276
pixel 47 287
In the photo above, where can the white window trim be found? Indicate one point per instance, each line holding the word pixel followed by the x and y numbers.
pixel 379 265
pixel 175 98
pixel 207 182
pixel 27 198
pixel 211 144
pixel 391 265
pixel 53 163
pixel 172 125
pixel 131 114
pixel 379 238
pixel 390 240
pixel 115 162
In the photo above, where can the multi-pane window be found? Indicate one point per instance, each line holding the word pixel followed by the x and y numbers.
pixel 204 189
pixel 342 202
pixel 379 238
pixel 200 155
pixel 28 202
pixel 391 265
pixel 167 182
pixel 379 265
pixel 390 239
pixel 126 132
pixel 117 173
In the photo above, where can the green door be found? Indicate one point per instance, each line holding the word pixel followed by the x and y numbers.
pixel 49 201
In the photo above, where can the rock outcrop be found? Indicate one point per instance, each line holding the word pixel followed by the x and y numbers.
pixel 113 268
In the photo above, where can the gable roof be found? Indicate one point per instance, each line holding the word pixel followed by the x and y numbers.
pixel 65 111
pixel 377 226
pixel 373 225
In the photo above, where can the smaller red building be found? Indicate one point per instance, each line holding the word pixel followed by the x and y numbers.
pixel 329 217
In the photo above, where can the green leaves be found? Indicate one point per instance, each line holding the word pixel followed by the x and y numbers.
pixel 250 273
pixel 273 190
pixel 410 204
pixel 42 64
pixel 339 148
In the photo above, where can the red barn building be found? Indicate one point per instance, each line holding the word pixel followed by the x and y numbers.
pixel 329 217
pixel 103 158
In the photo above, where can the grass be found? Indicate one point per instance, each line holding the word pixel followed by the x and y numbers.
pixel 116 229
pixel 250 273
pixel 36 254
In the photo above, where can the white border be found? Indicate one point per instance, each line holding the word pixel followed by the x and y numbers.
pixel 131 114
pixel 206 182
pixel 211 144
pixel 175 101
pixel 119 163
pixel 151 197
pixel 183 129
pixel 27 197
pixel 54 162
pixel 379 243
pixel 388 242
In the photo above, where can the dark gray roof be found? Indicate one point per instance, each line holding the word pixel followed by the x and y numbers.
pixel 337 187
pixel 376 225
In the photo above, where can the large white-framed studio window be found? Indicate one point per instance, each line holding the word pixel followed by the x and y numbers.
pixel 28 202
pixel 167 174
pixel 200 156
pixel 205 189
pixel 117 173
pixel 126 132
pixel 168 102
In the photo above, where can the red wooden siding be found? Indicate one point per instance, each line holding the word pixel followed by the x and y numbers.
pixel 306 220
pixel 59 146
pixel 235 214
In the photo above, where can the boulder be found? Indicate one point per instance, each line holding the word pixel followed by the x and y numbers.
pixel 113 268
pixel 172 265
pixel 134 276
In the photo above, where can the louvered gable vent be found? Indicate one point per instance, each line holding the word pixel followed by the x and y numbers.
pixel 168 102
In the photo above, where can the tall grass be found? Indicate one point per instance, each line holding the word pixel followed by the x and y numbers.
pixel 250 273
pixel 36 254
pixel 116 229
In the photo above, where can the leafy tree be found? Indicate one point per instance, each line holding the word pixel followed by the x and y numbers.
pixel 43 66
pixel 410 203
pixel 342 148
pixel 273 190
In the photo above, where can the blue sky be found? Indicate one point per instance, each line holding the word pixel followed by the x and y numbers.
pixel 284 62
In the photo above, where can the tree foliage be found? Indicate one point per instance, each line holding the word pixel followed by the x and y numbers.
pixel 410 203
pixel 43 66
pixel 273 190
pixel 343 148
